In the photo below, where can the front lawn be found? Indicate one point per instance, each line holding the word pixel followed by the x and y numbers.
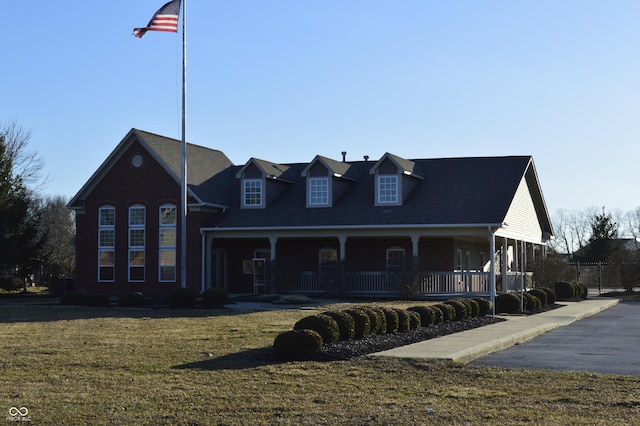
pixel 77 365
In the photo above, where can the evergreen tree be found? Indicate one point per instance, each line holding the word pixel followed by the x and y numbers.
pixel 603 242
pixel 20 240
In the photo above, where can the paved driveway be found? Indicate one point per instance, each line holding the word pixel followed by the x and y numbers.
pixel 608 342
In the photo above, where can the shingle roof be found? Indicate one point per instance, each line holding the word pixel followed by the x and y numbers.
pixel 453 191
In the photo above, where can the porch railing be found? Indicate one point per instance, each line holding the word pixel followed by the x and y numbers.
pixel 376 282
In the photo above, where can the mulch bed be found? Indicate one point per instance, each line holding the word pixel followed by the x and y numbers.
pixel 344 350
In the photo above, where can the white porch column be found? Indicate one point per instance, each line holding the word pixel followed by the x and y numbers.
pixel 342 239
pixel 504 264
pixel 414 241
pixel 492 270
pixel 272 242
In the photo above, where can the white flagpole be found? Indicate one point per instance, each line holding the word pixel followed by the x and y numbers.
pixel 183 186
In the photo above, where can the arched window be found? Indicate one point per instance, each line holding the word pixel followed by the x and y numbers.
pixel 167 243
pixel 106 243
pixel 137 240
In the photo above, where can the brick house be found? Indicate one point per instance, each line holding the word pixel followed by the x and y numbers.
pixel 390 226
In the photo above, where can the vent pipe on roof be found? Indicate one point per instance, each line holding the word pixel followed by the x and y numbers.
pixel 366 158
pixel 344 156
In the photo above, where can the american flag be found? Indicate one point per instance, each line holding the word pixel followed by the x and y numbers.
pixel 165 19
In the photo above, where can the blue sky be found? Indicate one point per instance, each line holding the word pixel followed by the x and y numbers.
pixel 284 80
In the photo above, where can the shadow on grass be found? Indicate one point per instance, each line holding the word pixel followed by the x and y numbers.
pixel 251 358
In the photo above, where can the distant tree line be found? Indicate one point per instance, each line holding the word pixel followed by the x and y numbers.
pixel 36 232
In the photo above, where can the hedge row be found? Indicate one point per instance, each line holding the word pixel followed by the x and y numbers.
pixel 311 333
pixel 573 290
pixel 180 297
pixel 533 301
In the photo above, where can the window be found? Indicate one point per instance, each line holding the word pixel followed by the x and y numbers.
pixel 319 191
pixel 137 234
pixel 167 243
pixel 106 243
pixel 387 189
pixel 395 259
pixel 252 193
pixel 328 259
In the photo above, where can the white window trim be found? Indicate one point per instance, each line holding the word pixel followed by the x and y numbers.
pixel 137 226
pixel 260 185
pixel 109 248
pixel 386 202
pixel 166 248
pixel 395 249
pixel 311 201
pixel 333 267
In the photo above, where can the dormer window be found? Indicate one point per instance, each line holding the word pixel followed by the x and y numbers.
pixel 252 193
pixel 388 189
pixel 318 191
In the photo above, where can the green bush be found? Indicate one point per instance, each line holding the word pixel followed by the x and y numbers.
pixel 427 315
pixel 346 324
pixel 93 300
pixel 448 312
pixel 475 308
pixel 582 290
pixel 362 323
pixel 214 297
pixel 182 298
pixel 533 303
pixel 541 295
pixel 467 303
pixel 404 320
pixel 131 299
pixel 507 303
pixel 414 320
pixel 484 305
pixel 73 298
pixel 324 325
pixel 565 290
pixel 460 309
pixel 551 295
pixel 380 320
pixel 439 316
pixel 391 317
pixel 297 344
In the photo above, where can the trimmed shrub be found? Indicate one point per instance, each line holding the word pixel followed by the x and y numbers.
pixel 467 303
pixel 533 303
pixel 346 324
pixel 374 321
pixel 182 298
pixel 460 309
pixel 297 344
pixel 582 290
pixel 362 323
pixel 475 309
pixel 438 313
pixel 73 298
pixel 324 325
pixel 93 300
pixel 484 305
pixel 507 303
pixel 214 297
pixel 541 295
pixel 414 320
pixel 565 290
pixel 404 320
pixel 427 315
pixel 381 319
pixel 131 299
pixel 551 295
pixel 448 312
pixel 391 317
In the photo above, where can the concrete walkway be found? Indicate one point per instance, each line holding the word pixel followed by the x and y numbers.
pixel 469 345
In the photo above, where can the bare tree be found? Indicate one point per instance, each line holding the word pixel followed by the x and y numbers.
pixel 631 227
pixel 27 166
pixel 572 229
pixel 57 223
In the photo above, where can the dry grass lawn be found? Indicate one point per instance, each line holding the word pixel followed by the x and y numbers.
pixel 104 366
